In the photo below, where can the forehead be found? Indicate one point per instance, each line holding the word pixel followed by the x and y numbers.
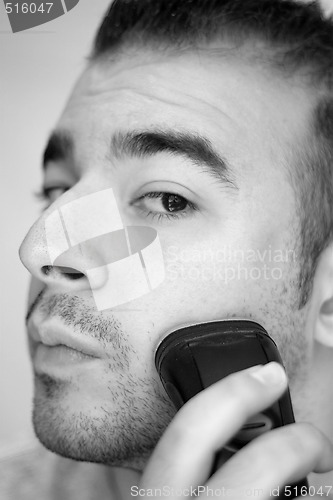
pixel 247 111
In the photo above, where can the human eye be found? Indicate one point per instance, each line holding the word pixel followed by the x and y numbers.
pixel 49 194
pixel 163 205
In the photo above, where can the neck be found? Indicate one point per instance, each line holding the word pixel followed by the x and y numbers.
pixel 320 400
pixel 121 482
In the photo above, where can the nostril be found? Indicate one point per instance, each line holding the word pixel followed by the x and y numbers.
pixel 66 272
pixel 46 270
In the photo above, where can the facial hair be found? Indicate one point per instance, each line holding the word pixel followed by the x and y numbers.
pixel 121 430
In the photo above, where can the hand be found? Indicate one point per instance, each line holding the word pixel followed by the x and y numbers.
pixel 183 458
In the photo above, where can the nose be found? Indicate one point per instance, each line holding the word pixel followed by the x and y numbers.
pixel 63 272
pixel 63 244
pixel 39 256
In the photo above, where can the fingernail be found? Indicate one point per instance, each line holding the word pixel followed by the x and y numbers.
pixel 270 374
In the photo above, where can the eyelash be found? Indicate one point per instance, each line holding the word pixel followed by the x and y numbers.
pixel 166 216
pixel 43 195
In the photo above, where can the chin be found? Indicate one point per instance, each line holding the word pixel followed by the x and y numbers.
pixel 123 434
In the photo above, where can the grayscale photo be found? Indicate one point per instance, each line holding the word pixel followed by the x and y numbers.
pixel 167 249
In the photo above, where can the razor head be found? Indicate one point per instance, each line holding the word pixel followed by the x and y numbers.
pixel 196 356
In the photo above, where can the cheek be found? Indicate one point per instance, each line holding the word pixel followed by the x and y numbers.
pixel 220 276
pixel 206 282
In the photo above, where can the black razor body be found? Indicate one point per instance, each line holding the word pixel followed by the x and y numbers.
pixel 196 356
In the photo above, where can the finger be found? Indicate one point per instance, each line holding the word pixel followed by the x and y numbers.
pixel 278 458
pixel 184 455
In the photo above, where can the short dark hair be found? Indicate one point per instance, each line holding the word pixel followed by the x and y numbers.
pixel 298 36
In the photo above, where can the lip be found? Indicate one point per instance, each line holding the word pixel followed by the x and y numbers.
pixel 59 357
pixel 52 333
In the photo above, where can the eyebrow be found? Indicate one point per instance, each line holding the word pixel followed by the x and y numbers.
pixel 59 147
pixel 145 144
pixel 190 146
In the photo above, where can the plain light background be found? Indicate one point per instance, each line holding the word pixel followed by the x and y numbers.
pixel 38 68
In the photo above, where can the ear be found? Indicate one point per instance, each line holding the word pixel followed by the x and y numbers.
pixel 322 299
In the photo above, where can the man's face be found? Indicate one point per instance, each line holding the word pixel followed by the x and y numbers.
pixel 229 238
